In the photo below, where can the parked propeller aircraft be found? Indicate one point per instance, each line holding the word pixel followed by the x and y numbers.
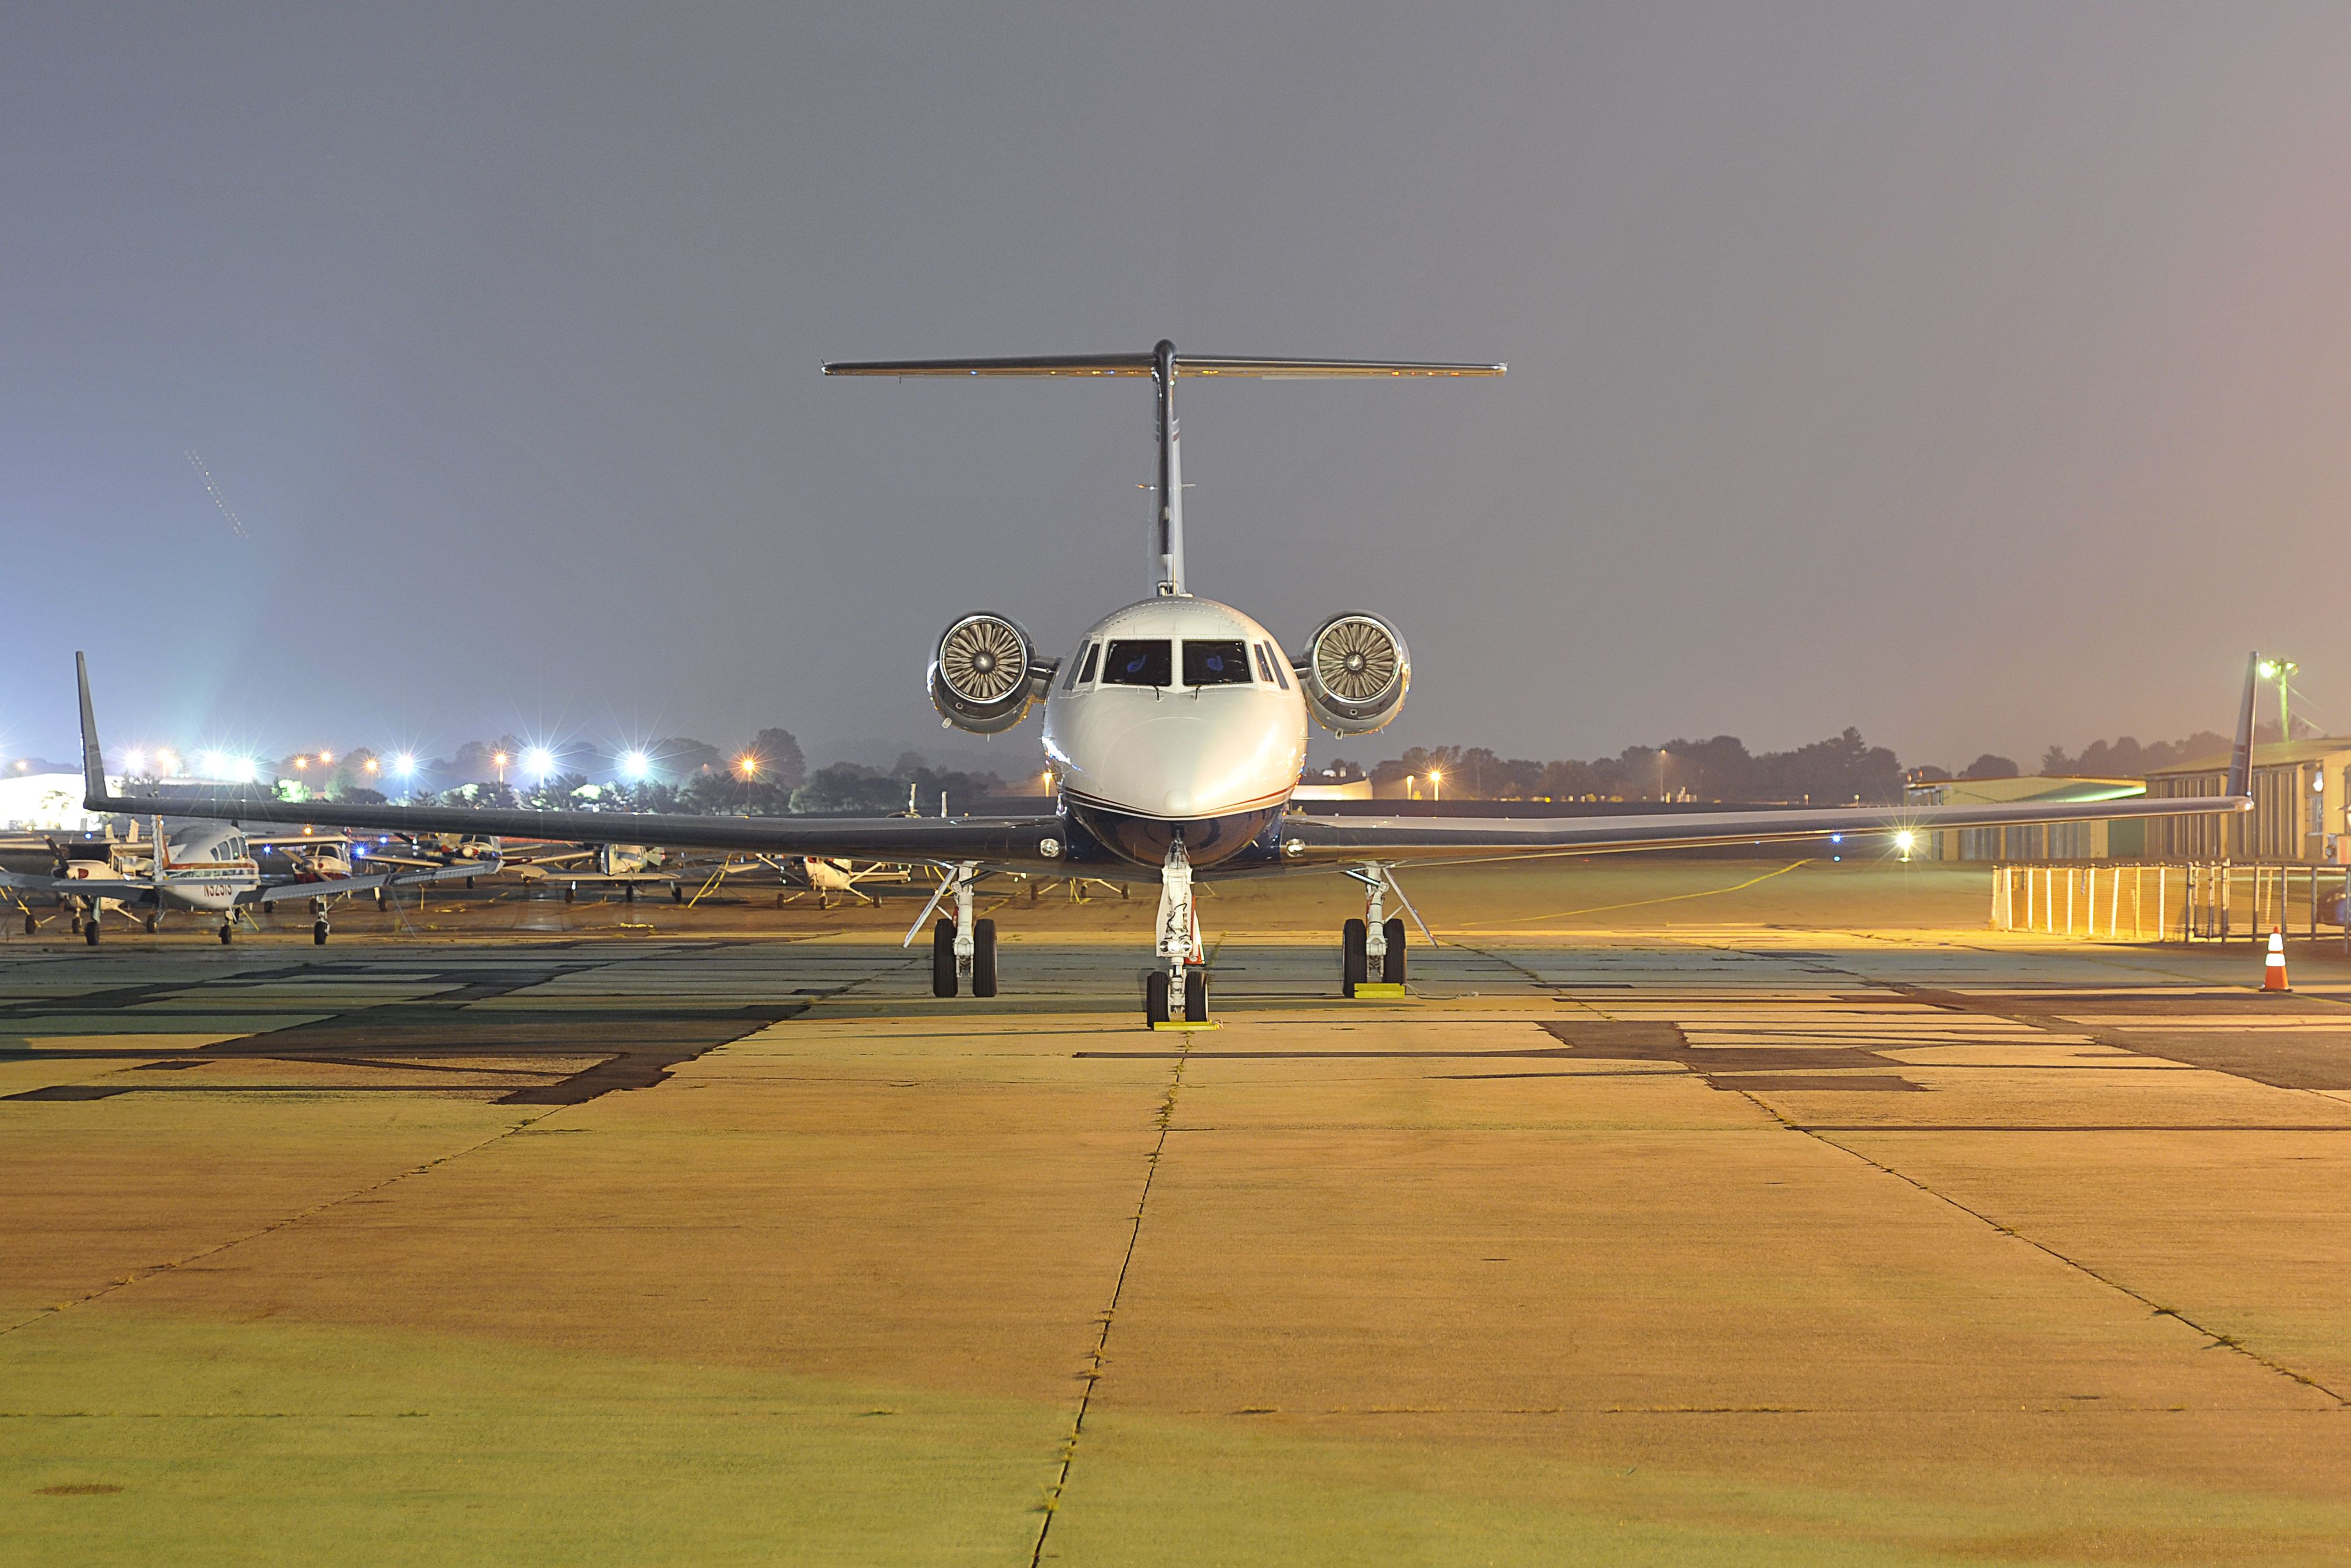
pixel 1175 730
pixel 207 866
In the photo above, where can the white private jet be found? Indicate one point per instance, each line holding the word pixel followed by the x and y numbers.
pixel 208 867
pixel 1176 730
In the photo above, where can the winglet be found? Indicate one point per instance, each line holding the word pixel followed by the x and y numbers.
pixel 2240 755
pixel 93 765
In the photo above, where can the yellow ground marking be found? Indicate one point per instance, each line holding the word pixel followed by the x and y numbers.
pixel 1377 990
pixel 129 1044
pixel 1186 1026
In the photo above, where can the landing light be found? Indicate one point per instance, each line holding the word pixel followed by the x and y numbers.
pixel 404 764
pixel 133 760
pixel 634 764
pixel 538 761
pixel 748 766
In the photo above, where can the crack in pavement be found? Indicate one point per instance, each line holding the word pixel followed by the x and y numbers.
pixel 1093 1372
pixel 271 1228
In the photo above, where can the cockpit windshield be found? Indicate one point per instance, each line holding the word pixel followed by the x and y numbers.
pixel 1216 663
pixel 1144 661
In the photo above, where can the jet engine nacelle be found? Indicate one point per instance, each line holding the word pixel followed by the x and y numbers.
pixel 1354 673
pixel 985 673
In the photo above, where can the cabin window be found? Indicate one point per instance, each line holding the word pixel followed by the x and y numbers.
pixel 1216 664
pixel 1264 665
pixel 1280 666
pixel 1084 669
pixel 1146 662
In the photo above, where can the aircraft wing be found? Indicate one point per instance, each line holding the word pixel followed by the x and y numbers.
pixel 1404 840
pixel 1009 841
pixel 80 887
pixel 1000 840
pixel 336 886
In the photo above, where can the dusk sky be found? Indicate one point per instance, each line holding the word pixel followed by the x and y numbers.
pixel 1977 374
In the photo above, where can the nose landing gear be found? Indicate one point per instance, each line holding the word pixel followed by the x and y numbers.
pixel 1185 975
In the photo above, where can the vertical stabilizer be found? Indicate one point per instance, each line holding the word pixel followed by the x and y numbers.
pixel 1170 532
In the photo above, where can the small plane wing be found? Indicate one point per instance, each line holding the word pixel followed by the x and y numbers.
pixel 80 887
pixel 336 886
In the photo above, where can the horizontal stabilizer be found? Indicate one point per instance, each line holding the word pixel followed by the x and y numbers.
pixel 1147 364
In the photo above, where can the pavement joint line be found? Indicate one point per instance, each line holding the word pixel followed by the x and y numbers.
pixel 271 1228
pixel 1958 1002
pixel 2219 1341
pixel 1093 1372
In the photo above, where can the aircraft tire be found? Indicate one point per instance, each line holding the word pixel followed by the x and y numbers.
pixel 1354 963
pixel 943 967
pixel 1196 995
pixel 469 884
pixel 676 893
pixel 1392 965
pixel 150 924
pixel 31 925
pixel 90 933
pixel 225 933
pixel 983 958
pixel 1154 998
pixel 319 932
pixel 571 893
pixel 628 892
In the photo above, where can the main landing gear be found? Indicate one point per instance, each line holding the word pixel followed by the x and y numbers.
pixel 1374 943
pixel 964 948
pixel 318 922
pixel 1185 975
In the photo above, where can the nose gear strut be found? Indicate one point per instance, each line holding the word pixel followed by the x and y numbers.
pixel 1185 976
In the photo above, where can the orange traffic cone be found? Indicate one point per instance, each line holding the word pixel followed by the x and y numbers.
pixel 2273 970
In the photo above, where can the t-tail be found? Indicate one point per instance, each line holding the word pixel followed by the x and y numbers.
pixel 1162 364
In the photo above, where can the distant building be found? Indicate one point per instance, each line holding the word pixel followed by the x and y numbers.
pixel 43 802
pixel 2298 805
pixel 2049 841
pixel 1352 789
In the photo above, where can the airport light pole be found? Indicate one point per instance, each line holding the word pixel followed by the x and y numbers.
pixel 2279 670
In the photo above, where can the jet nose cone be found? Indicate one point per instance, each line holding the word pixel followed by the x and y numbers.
pixel 1179 802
